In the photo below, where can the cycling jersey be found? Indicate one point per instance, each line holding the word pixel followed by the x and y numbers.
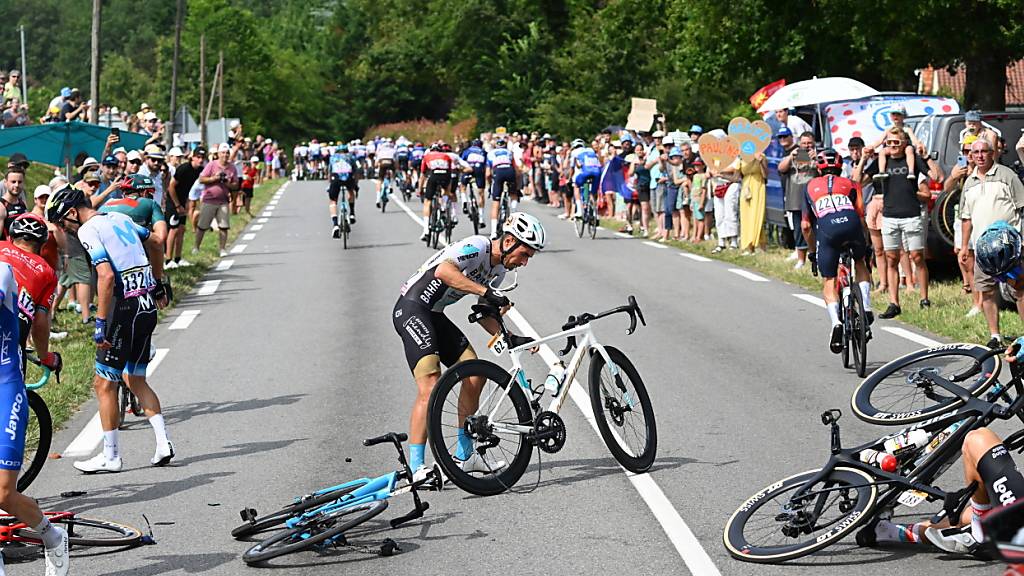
pixel 499 158
pixel 832 204
pixel 385 152
pixel 36 282
pixel 418 152
pixel 14 209
pixel 114 239
pixel 475 157
pixel 472 256
pixel 143 211
pixel 359 150
pixel 402 150
pixel 341 166
pixel 13 397
pixel 314 150
pixel 586 160
pixel 300 152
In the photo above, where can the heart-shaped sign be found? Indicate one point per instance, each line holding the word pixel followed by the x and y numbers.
pixel 718 151
pixel 752 137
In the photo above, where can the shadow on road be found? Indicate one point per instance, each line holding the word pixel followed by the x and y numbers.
pixel 183 412
pixel 126 493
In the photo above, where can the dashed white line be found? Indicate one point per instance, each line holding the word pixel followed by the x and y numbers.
pixel 912 336
pixel 623 235
pixel 184 320
pixel 748 275
pixel 811 299
pixel 208 287
pixel 655 244
pixel 256 227
pixel 239 248
pixel 224 265
pixel 695 257
pixel 267 214
pixel 248 237
pixel 262 220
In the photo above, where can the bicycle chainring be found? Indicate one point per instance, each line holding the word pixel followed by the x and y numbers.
pixel 549 432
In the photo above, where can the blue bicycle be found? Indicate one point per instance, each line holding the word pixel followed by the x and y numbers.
pixel 321 519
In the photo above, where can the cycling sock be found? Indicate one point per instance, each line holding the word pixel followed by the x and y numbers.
pixel 51 538
pixel 833 312
pixel 978 512
pixel 886 531
pixel 494 225
pixel 416 456
pixel 512 205
pixel 865 294
pixel 159 429
pixel 465 447
pixel 334 220
pixel 110 451
pixel 997 336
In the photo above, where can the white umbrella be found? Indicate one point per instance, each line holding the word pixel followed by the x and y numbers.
pixel 816 91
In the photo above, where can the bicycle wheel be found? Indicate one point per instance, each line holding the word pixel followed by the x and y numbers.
pixel 595 223
pixel 630 434
pixel 319 529
pixel 846 319
pixel 122 403
pixel 38 437
pixel 503 403
pixel 134 405
pixel 581 220
pixel 84 531
pixel 899 392
pixel 859 337
pixel 298 506
pixel 773 526
pixel 474 216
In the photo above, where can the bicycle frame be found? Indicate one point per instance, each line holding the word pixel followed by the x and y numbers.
pixel 10 525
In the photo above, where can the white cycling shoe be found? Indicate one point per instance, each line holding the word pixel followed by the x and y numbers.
pixel 163 455
pixel 486 464
pixel 56 559
pixel 99 463
pixel 956 543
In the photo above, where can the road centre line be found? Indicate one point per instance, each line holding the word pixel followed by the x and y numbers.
pixel 239 248
pixel 248 237
pixel 224 265
pixel 256 227
pixel 184 320
pixel 655 244
pixel 208 287
pixel 262 220
pixel 695 257
pixel 623 235
pixel 912 336
pixel 682 538
pixel 811 299
pixel 748 275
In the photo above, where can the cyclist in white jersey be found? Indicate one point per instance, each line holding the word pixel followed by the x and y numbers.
pixel 385 164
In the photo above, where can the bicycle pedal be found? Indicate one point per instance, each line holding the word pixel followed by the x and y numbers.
pixel 248 514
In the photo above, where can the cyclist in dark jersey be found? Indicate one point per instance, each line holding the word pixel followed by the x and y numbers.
pixel 833 215
pixel 138 204
pixel 477 266
pixel 10 201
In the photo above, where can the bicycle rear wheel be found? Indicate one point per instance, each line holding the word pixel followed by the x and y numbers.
pixel 501 402
pixel 846 319
pixel 859 337
pixel 38 437
pixel 623 410
pixel 901 393
pixel 84 531
pixel 474 214
pixel 773 526
pixel 320 529
pixel 595 223
pixel 298 506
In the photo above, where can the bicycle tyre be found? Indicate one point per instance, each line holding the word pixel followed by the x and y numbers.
pixel 644 457
pixel 311 533
pixel 474 216
pixel 737 545
pixel 298 506
pixel 436 428
pixel 595 223
pixel 344 234
pixel 580 224
pixel 101 533
pixel 122 403
pixel 866 396
pixel 847 324
pixel 134 405
pixel 859 339
pixel 34 458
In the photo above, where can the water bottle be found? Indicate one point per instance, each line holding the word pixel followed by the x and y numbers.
pixel 553 383
pixel 941 436
pixel 883 460
pixel 908 441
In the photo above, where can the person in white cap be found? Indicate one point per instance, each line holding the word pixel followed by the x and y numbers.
pixel 174 156
pixel 219 177
pixel 154 168
pixel 133 162
pixel 152 127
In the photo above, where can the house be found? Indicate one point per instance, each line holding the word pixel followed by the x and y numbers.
pixel 939 80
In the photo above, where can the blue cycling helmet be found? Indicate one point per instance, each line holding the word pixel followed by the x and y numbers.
pixel 696 128
pixel 675 151
pixel 343 148
pixel 998 248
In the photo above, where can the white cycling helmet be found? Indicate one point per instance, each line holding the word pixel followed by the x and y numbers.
pixel 526 229
pixel 578 143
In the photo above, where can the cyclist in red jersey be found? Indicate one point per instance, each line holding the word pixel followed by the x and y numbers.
pixel 36 281
pixel 833 218
pixel 436 171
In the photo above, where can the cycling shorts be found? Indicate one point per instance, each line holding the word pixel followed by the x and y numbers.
pixel 478 175
pixel 437 182
pixel 14 400
pixel 130 332
pixel 830 243
pixel 582 178
pixel 500 177
pixel 403 162
pixel 416 163
pixel 337 183
pixel 385 169
pixel 429 338
pixel 1004 482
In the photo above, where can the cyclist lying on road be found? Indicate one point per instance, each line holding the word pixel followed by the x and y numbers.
pixel 473 266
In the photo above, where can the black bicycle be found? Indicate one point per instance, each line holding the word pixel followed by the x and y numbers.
pixel 804 513
pixel 853 314
pixel 472 207
pixel 441 221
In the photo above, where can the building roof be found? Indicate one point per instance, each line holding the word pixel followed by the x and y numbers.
pixel 936 80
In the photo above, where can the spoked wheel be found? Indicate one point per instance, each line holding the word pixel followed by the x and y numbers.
pixel 298 506
pixel 859 334
pixel 776 525
pixel 489 433
pixel 581 221
pixel 846 319
pixel 345 229
pixel 901 392
pixel 595 223
pixel 319 530
pixel 623 411
pixel 38 436
pixel 122 404
pixel 474 216
pixel 83 531
pixel 384 199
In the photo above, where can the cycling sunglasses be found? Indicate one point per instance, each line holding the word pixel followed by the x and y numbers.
pixel 1012 275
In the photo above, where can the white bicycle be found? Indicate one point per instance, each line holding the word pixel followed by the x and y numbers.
pixel 479 408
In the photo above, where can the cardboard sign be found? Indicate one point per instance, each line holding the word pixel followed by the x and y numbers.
pixel 641 116
pixel 752 137
pixel 718 152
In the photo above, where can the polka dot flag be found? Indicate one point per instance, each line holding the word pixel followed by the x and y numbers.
pixel 868 119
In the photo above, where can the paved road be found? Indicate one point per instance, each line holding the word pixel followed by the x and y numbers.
pixel 292 360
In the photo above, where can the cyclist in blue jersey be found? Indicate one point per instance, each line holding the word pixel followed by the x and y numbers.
pixel 342 175
pixel 502 171
pixel 129 267
pixel 416 157
pixel 14 399
pixel 475 156
pixel 586 167
pixel 402 156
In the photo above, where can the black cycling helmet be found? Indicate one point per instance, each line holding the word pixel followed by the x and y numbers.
pixel 138 184
pixel 445 147
pixel 500 143
pixel 998 248
pixel 62 201
pixel 830 162
pixel 29 227
pixel 477 142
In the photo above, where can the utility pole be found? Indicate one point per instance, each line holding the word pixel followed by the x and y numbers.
pixel 169 132
pixel 202 88
pixel 220 89
pixel 213 92
pixel 94 76
pixel 24 72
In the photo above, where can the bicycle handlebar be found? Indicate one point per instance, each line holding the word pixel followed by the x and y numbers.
pixel 43 379
pixel 393 437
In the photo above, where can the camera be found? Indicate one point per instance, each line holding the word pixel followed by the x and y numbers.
pixel 223 177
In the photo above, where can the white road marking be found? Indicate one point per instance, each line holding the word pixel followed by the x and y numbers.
pixel 812 299
pixel 92 434
pixel 682 538
pixel 208 287
pixel 696 257
pixel 262 220
pixel 748 275
pixel 623 235
pixel 655 244
pixel 267 213
pixel 248 237
pixel 239 248
pixel 224 265
pixel 184 320
pixel 256 227
pixel 912 336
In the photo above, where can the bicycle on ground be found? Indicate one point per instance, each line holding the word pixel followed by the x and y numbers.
pixel 943 389
pixel 322 518
pixel 853 315
pixel 510 421
pixel 82 531
pixel 588 217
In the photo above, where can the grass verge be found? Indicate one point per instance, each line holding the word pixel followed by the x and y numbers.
pixel 78 349
pixel 946 317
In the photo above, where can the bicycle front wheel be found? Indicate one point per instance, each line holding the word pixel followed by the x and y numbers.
pixel 38 437
pixel 298 506
pixel 478 415
pixel 320 529
pixel 776 525
pixel 846 319
pixel 623 410
pixel 84 531
pixel 595 223
pixel 901 392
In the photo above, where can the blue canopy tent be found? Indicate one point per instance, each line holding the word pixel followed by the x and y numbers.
pixel 57 144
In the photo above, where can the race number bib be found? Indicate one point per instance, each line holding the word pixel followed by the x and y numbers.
pixel 26 304
pixel 912 498
pixel 497 345
pixel 137 281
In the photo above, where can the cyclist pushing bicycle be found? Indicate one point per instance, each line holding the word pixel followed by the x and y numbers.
pixel 833 221
pixel 475 265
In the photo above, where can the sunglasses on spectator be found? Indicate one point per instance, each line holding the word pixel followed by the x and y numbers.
pixel 893 142
pixel 136 162
pixel 981 151
pixel 1011 275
